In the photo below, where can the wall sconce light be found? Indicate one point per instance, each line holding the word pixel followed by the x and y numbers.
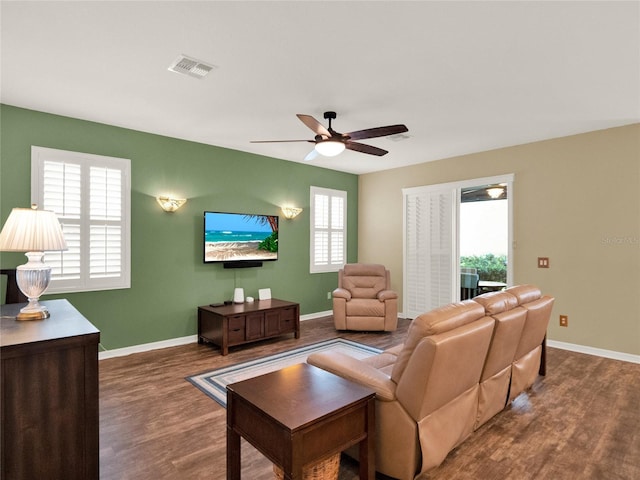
pixel 170 204
pixel 291 212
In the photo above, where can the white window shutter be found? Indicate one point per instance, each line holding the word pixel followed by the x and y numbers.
pixel 440 248
pixel 91 196
pixel 328 229
pixel 415 256
pixel 428 249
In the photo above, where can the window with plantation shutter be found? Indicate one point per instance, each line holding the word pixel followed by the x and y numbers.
pixel 328 229
pixel 91 196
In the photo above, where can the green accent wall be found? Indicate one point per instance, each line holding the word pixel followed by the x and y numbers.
pixel 168 277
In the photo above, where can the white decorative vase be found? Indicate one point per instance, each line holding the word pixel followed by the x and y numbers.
pixel 238 295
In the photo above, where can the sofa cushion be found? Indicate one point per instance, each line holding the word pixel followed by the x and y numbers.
pixel 437 321
pixel 364 269
pixel 535 328
pixel 364 307
pixel 496 302
pixel 525 293
pixel 364 280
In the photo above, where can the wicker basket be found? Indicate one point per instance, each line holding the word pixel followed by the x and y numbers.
pixel 327 469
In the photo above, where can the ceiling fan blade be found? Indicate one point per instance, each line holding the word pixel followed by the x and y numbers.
pixel 311 155
pixel 362 148
pixel 377 132
pixel 280 141
pixel 314 125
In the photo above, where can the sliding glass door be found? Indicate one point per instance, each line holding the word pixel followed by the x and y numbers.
pixel 432 241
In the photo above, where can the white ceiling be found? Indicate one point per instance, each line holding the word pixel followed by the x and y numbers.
pixel 463 76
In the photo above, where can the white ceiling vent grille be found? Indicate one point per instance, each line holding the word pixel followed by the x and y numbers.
pixel 190 66
pixel 399 137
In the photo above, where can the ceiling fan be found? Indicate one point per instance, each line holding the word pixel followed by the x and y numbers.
pixel 330 143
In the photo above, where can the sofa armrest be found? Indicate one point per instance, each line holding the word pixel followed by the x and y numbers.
pixel 386 295
pixel 342 293
pixel 356 371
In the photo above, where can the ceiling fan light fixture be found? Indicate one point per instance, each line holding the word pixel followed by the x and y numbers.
pixel 495 192
pixel 330 148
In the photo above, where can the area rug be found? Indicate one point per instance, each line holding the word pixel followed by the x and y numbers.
pixel 214 383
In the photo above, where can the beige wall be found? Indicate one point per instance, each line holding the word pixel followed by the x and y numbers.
pixel 576 201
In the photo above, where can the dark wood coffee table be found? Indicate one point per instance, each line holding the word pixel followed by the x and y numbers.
pixel 299 416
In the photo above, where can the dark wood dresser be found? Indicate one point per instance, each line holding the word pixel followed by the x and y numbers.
pixel 49 395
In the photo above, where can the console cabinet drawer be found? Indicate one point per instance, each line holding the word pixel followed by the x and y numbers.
pixel 288 319
pixel 237 329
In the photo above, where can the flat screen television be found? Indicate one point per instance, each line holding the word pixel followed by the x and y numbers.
pixel 240 239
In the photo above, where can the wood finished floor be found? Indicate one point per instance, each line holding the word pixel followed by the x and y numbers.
pixel 581 421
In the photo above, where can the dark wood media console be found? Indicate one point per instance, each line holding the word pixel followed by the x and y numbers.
pixel 239 323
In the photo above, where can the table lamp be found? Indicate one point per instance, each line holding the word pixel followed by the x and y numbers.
pixel 32 231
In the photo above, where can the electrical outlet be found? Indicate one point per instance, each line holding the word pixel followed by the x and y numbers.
pixel 564 320
pixel 543 262
pixel 328 295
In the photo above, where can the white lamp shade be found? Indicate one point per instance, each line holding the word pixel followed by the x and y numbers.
pixel 329 148
pixel 30 230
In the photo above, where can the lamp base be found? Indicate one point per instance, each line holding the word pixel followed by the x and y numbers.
pixel 41 315
pixel 33 279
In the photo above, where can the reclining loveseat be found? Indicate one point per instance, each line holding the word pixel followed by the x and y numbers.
pixel 459 366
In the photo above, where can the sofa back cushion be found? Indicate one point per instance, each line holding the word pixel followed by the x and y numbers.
pixel 443 367
pixel 525 293
pixel 538 313
pixel 497 302
pixel 363 280
pixel 439 320
pixel 506 336
pixel 535 327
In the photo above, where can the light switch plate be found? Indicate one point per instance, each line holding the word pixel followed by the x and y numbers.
pixel 543 262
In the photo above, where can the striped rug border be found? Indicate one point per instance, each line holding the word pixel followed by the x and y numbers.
pixel 214 382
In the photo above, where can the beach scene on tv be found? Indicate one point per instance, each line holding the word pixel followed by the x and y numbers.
pixel 233 236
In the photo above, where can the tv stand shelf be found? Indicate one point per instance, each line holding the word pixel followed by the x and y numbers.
pixel 240 323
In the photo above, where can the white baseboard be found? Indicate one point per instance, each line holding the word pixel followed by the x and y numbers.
pixel 311 316
pixel 145 347
pixel 174 342
pixel 598 352
pixel 327 313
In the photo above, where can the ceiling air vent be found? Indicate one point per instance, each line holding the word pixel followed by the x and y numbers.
pixel 399 137
pixel 190 66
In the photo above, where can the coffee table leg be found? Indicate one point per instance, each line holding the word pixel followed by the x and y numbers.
pixel 233 454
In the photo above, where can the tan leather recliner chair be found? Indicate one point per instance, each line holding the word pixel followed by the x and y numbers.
pixel 364 299
pixel 426 389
